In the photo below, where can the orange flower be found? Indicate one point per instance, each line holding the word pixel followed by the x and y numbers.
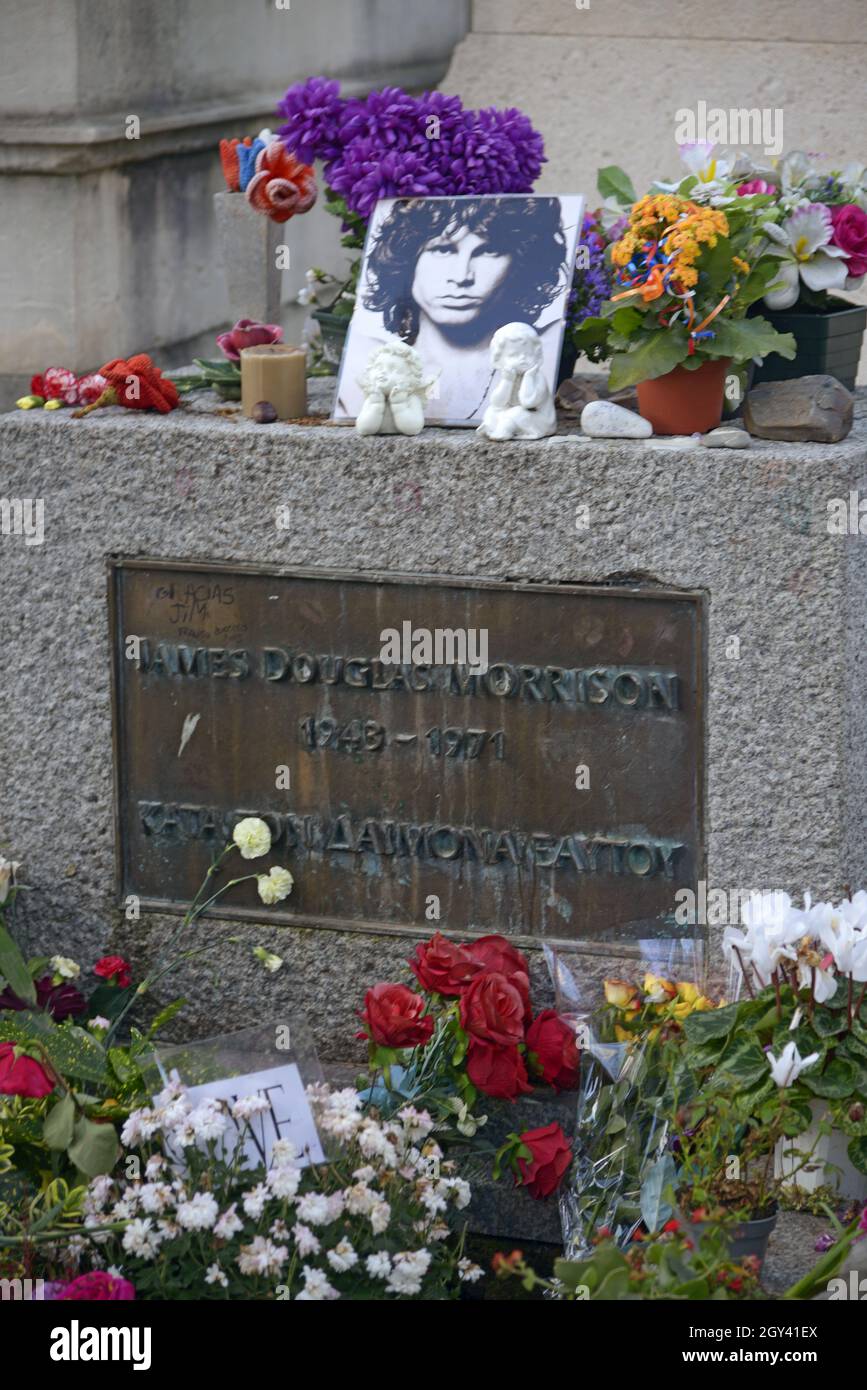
pixel 281 186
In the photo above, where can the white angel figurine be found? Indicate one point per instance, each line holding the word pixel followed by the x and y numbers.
pixel 395 391
pixel 521 404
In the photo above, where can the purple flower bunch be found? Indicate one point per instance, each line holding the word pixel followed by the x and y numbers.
pixel 390 144
pixel 592 283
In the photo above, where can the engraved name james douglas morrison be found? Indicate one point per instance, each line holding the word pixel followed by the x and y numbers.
pixel 631 688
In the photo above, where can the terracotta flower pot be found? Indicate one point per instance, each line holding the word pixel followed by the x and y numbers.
pixel 683 402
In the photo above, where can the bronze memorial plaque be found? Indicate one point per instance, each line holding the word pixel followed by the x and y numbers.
pixel 428 752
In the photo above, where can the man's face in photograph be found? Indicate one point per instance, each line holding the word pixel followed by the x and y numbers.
pixel 456 276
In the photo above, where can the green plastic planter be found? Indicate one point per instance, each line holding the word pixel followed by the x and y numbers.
pixel 829 343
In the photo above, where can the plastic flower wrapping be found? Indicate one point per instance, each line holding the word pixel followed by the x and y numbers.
pixel 622 1162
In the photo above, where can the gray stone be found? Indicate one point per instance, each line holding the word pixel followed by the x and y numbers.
pixel 810 408
pixel 248 242
pixel 787 761
pixel 606 420
pixel 726 437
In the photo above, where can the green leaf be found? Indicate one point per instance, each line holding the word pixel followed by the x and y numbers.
pixel 14 967
pixel 653 355
pixel 857 1151
pixel 711 1023
pixel 94 1148
pixel 655 1209
pixel 59 1124
pixel 836 1082
pixel 827 1024
pixel 741 339
pixel 591 337
pixel 613 182
pixel 744 1061
pixel 716 264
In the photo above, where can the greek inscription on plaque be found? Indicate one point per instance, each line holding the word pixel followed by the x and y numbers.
pixel 552 789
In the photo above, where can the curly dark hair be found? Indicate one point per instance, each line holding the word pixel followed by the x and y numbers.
pixel 530 230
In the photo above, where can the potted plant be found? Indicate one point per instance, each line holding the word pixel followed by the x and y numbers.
pixel 390 144
pixel 817 225
pixel 685 274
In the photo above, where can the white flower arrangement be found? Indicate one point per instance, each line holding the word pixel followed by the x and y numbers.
pixel 370 1222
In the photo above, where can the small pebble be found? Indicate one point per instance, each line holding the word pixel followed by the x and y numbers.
pixel 605 420
pixel 264 413
pixel 726 437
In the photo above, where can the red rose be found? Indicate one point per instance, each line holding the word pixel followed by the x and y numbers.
pixel 394 1017
pixel 98 1285
pixel 21 1076
pixel 492 1010
pixel 114 968
pixel 553 1043
pixel 496 953
pixel 850 234
pixel 552 1154
pixel 497 1071
pixel 443 967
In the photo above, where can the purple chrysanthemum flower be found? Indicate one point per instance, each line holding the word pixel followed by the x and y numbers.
pixel 390 144
pixel 363 176
pixel 313 111
pixel 389 116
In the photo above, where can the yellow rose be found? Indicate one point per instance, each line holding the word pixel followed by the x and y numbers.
pixel 657 989
pixel 620 993
pixel 687 992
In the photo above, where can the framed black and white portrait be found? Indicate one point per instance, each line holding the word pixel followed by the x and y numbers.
pixel 443 274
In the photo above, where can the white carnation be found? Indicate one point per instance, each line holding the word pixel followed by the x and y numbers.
pixel 274 886
pixel 252 837
pixel 199 1213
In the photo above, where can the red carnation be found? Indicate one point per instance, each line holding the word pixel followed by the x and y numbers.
pixel 496 953
pixel 497 1071
pixel 492 1010
pixel 59 384
pixel 551 1156
pixel 394 1017
pixel 551 1044
pixel 98 1285
pixel 281 185
pixel 21 1076
pixel 443 967
pixel 115 969
pixel 37 385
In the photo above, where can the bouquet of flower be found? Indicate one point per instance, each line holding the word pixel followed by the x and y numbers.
pixel 684 274
pixel 369 1223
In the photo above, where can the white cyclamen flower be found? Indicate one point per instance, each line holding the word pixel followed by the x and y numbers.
pixel 66 968
pixel 199 1213
pixel 786 1068
pixel 847 945
pixel 342 1257
pixel 252 837
pixel 215 1275
pixel 274 886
